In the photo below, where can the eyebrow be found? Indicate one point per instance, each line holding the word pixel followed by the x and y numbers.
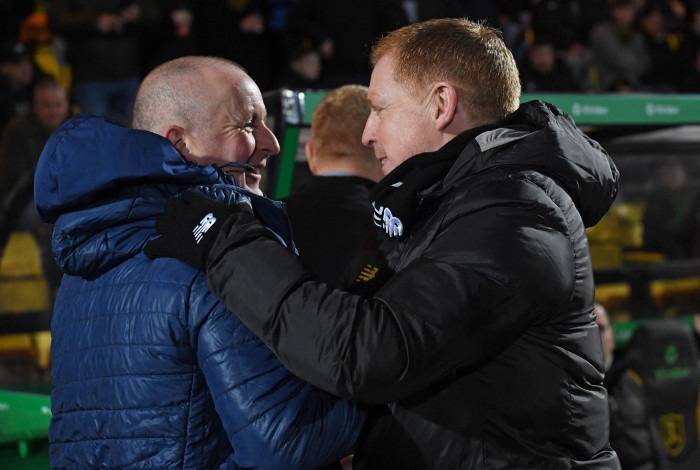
pixel 258 115
pixel 374 105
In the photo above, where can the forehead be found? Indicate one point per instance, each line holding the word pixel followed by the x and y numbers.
pixel 235 94
pixel 383 86
pixel 244 98
pixel 248 93
pixel 382 75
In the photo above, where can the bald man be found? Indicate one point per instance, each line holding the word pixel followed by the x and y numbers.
pixel 212 113
pixel 149 368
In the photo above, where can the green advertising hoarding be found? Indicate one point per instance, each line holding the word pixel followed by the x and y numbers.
pixel 585 109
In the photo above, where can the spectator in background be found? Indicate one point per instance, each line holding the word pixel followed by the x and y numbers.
pixel 103 51
pixel 607 335
pixel 11 14
pixel 676 12
pixel 690 45
pixel 344 31
pixel 236 30
pixel 630 434
pixel 417 10
pixel 566 23
pixel 691 81
pixel 303 68
pixel 20 147
pixel 17 78
pixel 668 214
pixel 515 23
pixel 619 51
pixel 47 50
pixel 630 430
pixel 25 136
pixel 174 38
pixel 277 23
pixel 544 71
pixel 476 10
pixel 666 68
pixel 330 214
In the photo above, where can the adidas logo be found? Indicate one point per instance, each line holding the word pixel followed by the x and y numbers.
pixel 384 219
pixel 203 227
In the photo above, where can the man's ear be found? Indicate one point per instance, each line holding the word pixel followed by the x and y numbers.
pixel 176 136
pixel 445 101
pixel 311 158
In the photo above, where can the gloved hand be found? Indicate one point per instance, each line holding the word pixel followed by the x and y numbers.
pixel 190 225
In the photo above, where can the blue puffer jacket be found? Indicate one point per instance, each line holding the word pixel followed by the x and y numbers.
pixel 149 369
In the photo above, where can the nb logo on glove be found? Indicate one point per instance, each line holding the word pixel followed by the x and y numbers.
pixel 384 219
pixel 203 227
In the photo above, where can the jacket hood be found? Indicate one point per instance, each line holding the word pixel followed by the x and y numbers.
pixel 541 137
pixel 103 185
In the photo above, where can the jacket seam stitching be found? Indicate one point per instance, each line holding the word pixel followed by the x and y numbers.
pixel 87 410
pixel 101 377
pixel 120 438
pixel 119 345
pixel 189 401
pixel 118 314
pixel 151 281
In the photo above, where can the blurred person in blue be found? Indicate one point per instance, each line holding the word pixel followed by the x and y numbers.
pixel 149 369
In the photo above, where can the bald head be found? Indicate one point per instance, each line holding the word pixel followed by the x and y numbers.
pixel 184 92
pixel 212 112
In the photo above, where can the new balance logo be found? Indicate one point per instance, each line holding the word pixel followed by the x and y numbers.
pixel 203 227
pixel 367 273
pixel 384 219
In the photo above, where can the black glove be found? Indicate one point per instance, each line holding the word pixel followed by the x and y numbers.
pixel 190 225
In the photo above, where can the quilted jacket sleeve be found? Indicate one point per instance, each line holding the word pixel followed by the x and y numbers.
pixel 272 418
pixel 471 293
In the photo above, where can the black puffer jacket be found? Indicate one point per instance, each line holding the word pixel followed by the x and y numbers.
pixel 482 341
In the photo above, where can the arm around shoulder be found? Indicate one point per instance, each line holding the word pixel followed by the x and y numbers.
pixel 272 418
pixel 452 307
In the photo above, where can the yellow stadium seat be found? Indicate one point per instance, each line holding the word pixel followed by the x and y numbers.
pixel 23 289
pixel 22 283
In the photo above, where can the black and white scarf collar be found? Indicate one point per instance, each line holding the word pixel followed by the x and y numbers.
pixel 395 197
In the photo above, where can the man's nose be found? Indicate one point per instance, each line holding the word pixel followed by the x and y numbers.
pixel 267 142
pixel 368 132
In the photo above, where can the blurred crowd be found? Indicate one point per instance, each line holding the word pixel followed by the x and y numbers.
pixel 99 49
